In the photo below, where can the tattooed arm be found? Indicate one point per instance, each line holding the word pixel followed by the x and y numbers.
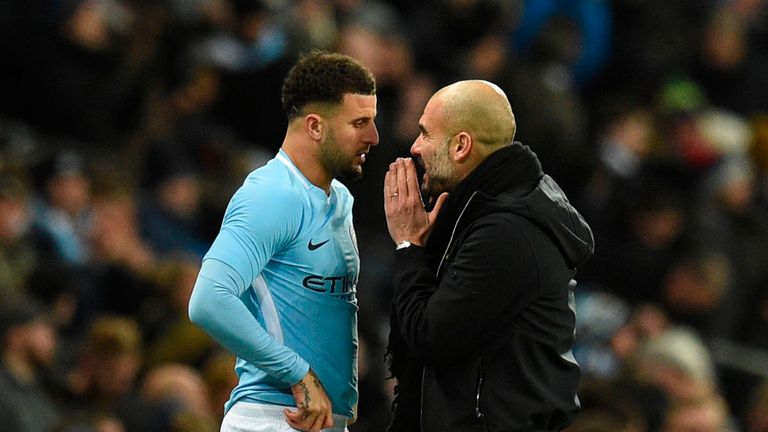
pixel 314 411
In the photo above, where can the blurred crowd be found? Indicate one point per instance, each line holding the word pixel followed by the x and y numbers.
pixel 126 125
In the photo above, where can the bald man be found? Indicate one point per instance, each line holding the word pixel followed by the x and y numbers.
pixel 482 313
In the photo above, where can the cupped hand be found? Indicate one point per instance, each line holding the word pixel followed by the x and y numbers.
pixel 407 219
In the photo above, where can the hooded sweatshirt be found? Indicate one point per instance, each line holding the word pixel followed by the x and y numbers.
pixel 483 316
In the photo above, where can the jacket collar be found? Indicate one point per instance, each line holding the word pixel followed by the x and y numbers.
pixel 514 169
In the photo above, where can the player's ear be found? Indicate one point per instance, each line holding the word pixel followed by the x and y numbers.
pixel 313 125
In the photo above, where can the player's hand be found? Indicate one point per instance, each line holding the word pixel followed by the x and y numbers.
pixel 406 217
pixel 314 408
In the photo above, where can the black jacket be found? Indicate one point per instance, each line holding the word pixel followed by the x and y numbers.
pixel 483 316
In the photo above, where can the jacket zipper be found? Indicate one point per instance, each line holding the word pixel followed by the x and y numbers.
pixel 437 274
pixel 453 233
pixel 421 402
pixel 479 414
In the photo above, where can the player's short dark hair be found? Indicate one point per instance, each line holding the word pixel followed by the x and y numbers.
pixel 324 77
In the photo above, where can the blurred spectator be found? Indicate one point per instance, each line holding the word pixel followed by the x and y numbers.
pixel 18 144
pixel 644 51
pixel 64 212
pixel 709 414
pixel 679 104
pixel 220 377
pixel 756 416
pixel 625 139
pixel 119 273
pixel 104 377
pixel 738 228
pixel 677 361
pixel 311 24
pixel 653 229
pixel 251 59
pixel 601 315
pixel 20 249
pixel 592 27
pixel 442 31
pixel 645 323
pixel 694 289
pixel 114 234
pixel 533 66
pixel 91 422
pixel 87 85
pixel 28 349
pixel 169 214
pixel 759 154
pixel 730 70
pixel 169 335
pixel 606 407
pixel 545 97
pixel 57 288
pixel 180 392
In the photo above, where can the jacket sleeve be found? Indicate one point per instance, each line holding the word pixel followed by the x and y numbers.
pixel 492 277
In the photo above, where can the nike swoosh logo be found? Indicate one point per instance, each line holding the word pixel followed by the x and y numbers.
pixel 312 246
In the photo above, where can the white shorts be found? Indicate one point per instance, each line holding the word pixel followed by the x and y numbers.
pixel 254 417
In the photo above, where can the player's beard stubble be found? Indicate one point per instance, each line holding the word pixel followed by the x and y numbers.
pixel 339 164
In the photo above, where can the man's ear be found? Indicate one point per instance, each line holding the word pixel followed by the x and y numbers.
pixel 463 147
pixel 313 125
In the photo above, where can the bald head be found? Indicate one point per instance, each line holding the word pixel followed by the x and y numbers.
pixel 480 108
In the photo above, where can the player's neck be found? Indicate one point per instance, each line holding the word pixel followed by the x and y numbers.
pixel 304 156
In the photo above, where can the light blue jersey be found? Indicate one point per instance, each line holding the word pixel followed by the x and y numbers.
pixel 278 287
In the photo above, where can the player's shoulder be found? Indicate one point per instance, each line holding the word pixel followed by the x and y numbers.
pixel 275 178
pixel 270 185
